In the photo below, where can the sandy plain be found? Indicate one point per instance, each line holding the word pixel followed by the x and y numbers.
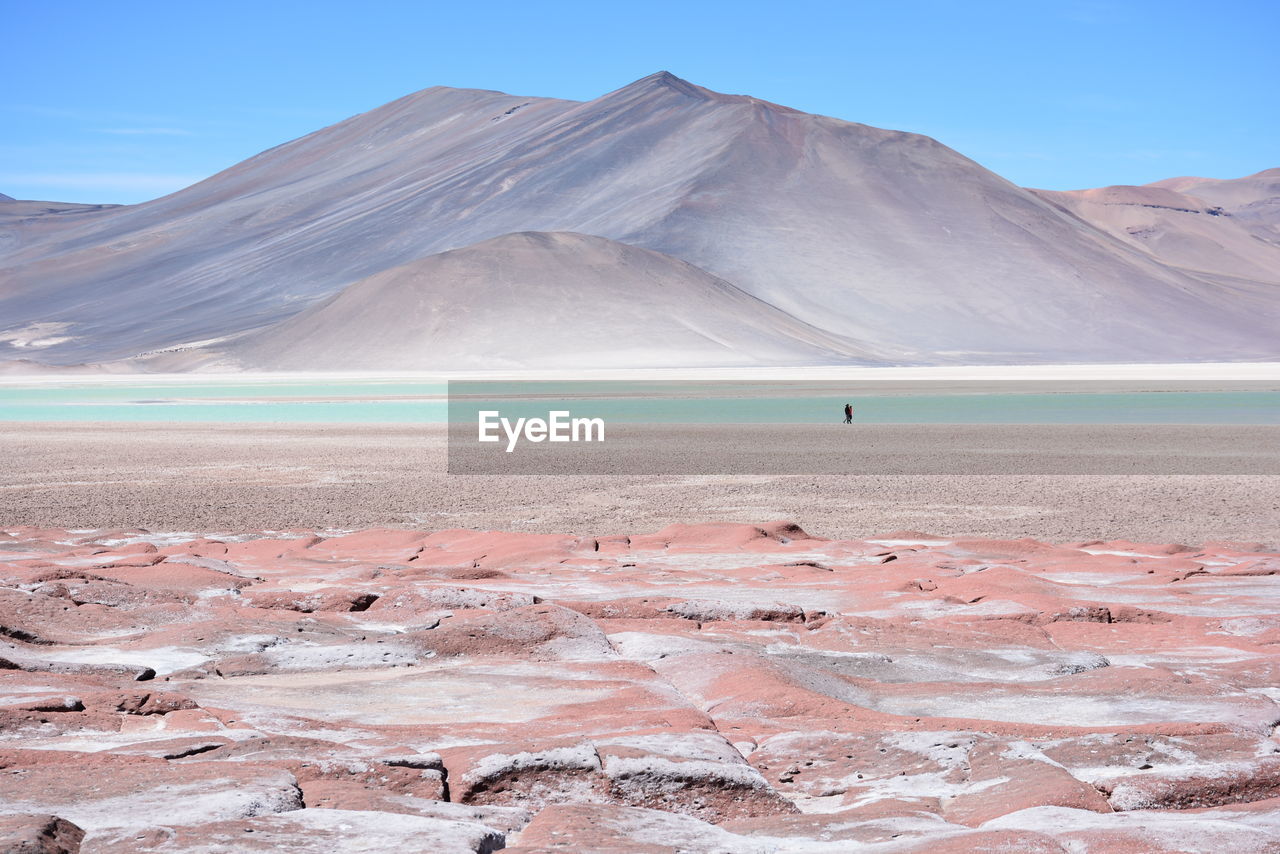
pixel 206 478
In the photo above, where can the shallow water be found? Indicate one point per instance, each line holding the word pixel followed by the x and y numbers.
pixel 357 402
pixel 402 402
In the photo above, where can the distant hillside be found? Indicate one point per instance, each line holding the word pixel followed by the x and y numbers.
pixel 547 300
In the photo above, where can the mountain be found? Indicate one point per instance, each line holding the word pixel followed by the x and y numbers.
pixel 1253 201
pixel 32 222
pixel 1208 229
pixel 1254 197
pixel 892 244
pixel 595 301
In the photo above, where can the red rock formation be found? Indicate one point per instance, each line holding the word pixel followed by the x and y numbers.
pixel 717 687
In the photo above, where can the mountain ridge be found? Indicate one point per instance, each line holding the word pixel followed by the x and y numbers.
pixel 882 237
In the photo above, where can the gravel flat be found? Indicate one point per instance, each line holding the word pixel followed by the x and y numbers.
pixel 227 477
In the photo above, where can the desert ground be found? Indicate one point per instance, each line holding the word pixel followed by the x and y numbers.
pixel 236 478
pixel 701 688
pixel 304 637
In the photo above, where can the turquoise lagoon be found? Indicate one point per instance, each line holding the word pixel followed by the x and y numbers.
pixel 411 402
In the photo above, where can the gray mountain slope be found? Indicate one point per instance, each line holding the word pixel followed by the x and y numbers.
pixel 258 242
pixel 539 300
pixel 23 221
pixel 1180 229
pixel 887 238
pixel 1253 201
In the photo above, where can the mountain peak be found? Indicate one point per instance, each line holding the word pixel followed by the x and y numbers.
pixel 665 80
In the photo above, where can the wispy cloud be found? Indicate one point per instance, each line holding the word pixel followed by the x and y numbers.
pixel 92 114
pixel 146 131
pixel 133 182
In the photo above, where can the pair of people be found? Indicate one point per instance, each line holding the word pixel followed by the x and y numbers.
pixel 848 413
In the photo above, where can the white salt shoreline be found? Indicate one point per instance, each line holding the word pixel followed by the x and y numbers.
pixel 1176 372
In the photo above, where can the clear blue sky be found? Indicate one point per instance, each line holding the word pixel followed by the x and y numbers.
pixel 125 101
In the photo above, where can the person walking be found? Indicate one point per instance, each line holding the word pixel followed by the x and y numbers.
pixel 848 413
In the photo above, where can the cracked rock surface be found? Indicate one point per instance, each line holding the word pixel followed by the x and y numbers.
pixel 720 687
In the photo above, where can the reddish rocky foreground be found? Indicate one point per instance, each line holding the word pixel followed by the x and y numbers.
pixel 711 688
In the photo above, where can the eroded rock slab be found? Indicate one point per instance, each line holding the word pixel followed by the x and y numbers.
pixel 313 831
pixel 734 688
pixel 39 834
